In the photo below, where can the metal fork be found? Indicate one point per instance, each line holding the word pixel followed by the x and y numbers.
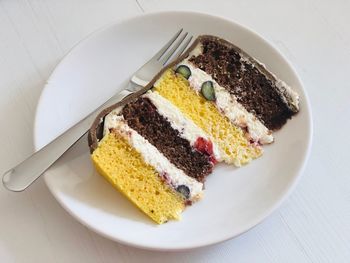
pixel 24 174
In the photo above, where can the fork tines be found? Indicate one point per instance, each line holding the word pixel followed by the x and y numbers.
pixel 175 47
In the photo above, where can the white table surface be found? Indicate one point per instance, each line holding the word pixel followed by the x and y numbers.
pixel 313 225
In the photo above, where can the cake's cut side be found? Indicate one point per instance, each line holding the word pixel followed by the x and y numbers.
pixel 190 189
pixel 142 116
pixel 234 147
pixel 215 103
pixel 269 99
pixel 228 105
pixel 186 127
pixel 125 169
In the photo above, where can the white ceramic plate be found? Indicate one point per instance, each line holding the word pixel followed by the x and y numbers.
pixel 235 199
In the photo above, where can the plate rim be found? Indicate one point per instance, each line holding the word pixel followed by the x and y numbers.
pixel 290 186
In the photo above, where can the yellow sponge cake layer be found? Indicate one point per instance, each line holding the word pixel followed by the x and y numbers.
pixel 234 146
pixel 125 169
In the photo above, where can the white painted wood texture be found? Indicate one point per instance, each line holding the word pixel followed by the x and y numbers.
pixel 313 225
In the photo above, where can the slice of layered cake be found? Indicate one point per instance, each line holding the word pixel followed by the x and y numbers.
pixel 214 104
pixel 154 156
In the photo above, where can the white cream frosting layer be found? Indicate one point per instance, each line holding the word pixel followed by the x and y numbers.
pixel 186 127
pixel 288 92
pixel 111 119
pixel 170 173
pixel 230 107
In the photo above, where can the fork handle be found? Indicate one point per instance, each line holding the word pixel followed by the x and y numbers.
pixel 24 174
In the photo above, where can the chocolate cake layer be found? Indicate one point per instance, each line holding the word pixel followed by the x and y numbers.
pixel 253 89
pixel 142 116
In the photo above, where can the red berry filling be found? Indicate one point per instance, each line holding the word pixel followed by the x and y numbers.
pixel 204 146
